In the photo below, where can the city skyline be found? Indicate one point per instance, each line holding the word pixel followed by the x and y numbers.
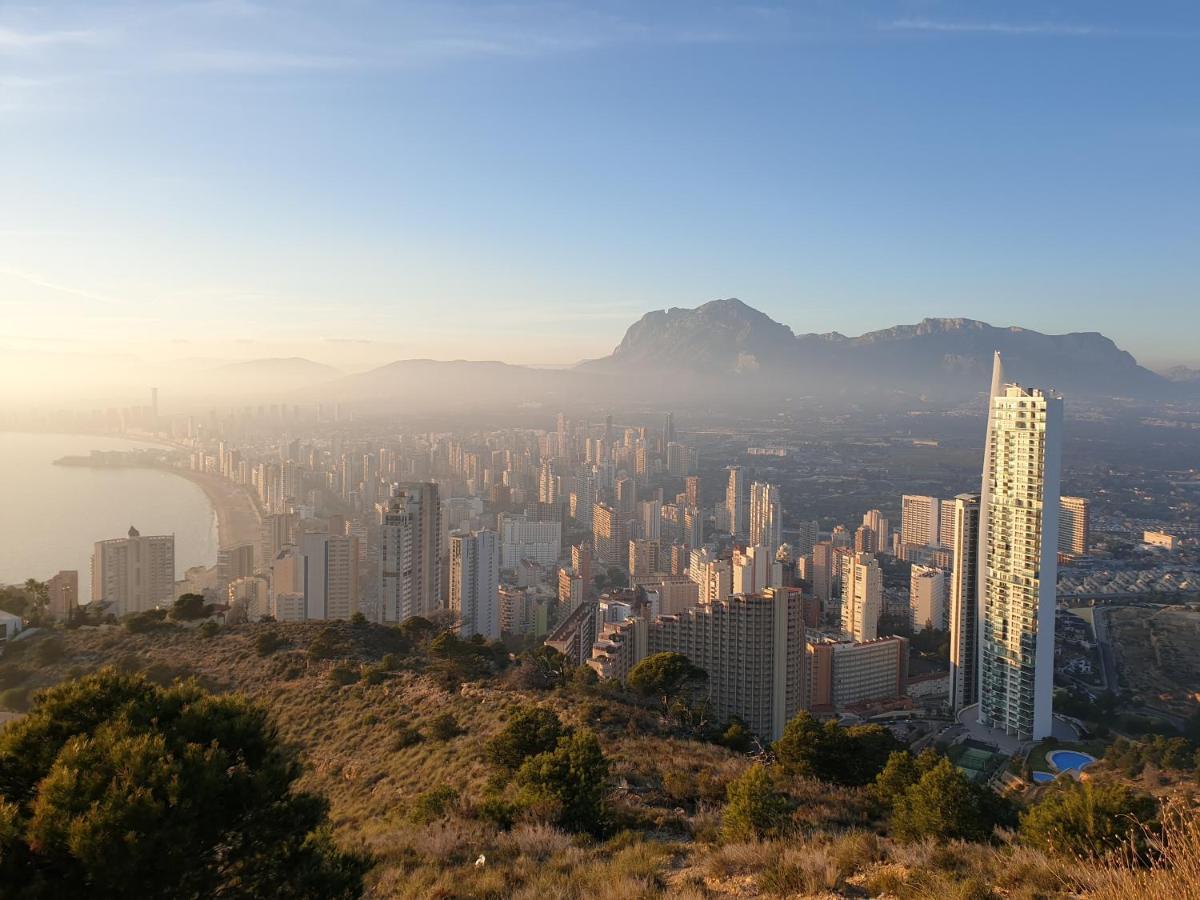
pixel 298 177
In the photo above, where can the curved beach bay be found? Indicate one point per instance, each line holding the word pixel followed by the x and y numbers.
pixel 51 515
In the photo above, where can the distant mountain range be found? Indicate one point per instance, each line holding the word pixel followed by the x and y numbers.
pixel 942 358
pixel 726 349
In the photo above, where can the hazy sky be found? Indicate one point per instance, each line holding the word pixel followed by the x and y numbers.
pixel 522 180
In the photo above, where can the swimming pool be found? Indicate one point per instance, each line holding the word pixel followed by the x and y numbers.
pixel 1042 777
pixel 1069 760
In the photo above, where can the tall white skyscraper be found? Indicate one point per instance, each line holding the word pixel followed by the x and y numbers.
pixel 1018 540
pixel 475 583
pixel 964 603
pixel 862 597
pixel 766 516
pixel 400 558
pixel 735 500
pixel 134 573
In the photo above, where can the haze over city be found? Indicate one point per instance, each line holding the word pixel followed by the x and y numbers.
pixel 599 450
pixel 234 180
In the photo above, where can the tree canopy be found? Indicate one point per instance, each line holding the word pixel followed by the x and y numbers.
pixel 755 808
pixel 113 786
pixel 567 784
pixel 829 752
pixel 666 676
pixel 944 805
pixel 532 730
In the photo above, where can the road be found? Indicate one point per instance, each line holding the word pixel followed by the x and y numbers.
pixel 1108 663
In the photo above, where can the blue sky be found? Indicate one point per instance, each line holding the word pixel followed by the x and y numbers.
pixel 363 181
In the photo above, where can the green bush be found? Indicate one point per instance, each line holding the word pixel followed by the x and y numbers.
pixel 444 727
pixel 195 790
pixel 567 784
pixel 434 804
pixel 1087 819
pixel 531 730
pixel 342 675
pixel 268 642
pixel 755 809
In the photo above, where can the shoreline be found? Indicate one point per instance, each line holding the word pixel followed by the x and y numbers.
pixel 238 519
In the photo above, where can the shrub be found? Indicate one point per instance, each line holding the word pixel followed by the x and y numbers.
pixel 755 809
pixel 189 607
pixel 1087 819
pixel 531 730
pixel 148 620
pixel 195 789
pixel 434 804
pixel 567 784
pixel 944 805
pixel 209 629
pixel 342 675
pixel 406 736
pixel 849 756
pixel 268 642
pixel 444 727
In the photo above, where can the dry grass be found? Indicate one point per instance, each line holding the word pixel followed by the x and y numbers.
pixel 368 749
pixel 1174 873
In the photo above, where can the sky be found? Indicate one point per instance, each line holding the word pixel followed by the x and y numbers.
pixel 358 182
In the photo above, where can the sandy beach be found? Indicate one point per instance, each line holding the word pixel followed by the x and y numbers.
pixel 238 519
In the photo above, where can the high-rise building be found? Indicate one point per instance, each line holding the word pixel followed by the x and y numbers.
pixel 432 547
pixel 609 536
pixel 691 487
pixel 1018 537
pixel 761 683
pixel 235 562
pixel 525 538
pixel 946 523
pixel 410 541
pixel 62 594
pixel 713 575
pixel 735 500
pixel 679 459
pixel 134 573
pixel 847 673
pixel 1074 519
pixel 862 597
pixel 475 583
pixel 927 598
pixel 650 519
pixel 330 577
pixel 754 569
pixel 645 558
pixel 919 519
pixel 766 516
pixel 964 603
pixel 807 535
pixel 878 528
pixel 822 573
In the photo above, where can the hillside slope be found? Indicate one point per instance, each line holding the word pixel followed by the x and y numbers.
pixel 375 749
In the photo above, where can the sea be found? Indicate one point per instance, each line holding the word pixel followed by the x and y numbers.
pixel 50 516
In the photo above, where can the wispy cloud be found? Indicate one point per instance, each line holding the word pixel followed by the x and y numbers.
pixel 13 40
pixel 35 280
pixel 1044 29
pixel 250 62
